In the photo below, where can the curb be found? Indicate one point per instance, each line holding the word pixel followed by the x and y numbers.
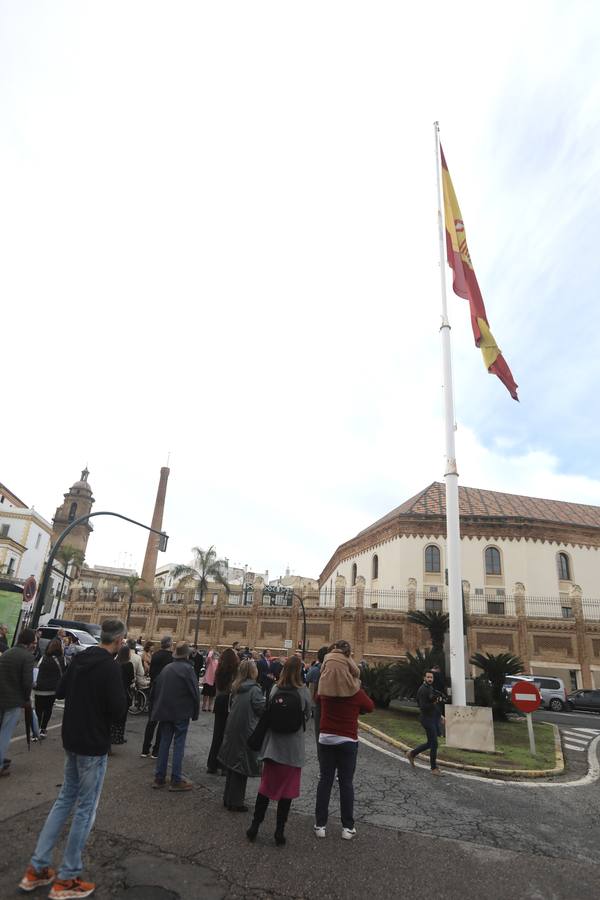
pixel 484 770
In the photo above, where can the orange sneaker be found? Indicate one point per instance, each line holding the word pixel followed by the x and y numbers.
pixel 71 888
pixel 33 879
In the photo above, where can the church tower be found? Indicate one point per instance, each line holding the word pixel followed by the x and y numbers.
pixel 78 502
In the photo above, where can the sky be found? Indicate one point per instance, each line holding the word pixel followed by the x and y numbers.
pixel 219 242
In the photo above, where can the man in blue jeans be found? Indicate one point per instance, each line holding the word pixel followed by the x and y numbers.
pixel 92 689
pixel 176 701
pixel 428 699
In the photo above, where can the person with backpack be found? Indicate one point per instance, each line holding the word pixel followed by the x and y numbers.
pixel 282 751
pixel 247 706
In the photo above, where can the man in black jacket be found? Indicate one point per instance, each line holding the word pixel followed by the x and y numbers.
pixel 159 660
pixel 428 699
pixel 16 681
pixel 176 701
pixel 92 689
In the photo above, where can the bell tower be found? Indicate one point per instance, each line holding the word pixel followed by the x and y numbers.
pixel 78 502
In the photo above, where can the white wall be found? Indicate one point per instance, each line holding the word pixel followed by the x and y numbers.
pixel 531 562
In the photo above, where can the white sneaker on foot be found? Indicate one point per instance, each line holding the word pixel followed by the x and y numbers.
pixel 348 833
pixel 320 831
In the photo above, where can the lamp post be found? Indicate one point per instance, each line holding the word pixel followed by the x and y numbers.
pixel 39 602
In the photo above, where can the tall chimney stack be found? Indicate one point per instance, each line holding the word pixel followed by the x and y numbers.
pixel 149 567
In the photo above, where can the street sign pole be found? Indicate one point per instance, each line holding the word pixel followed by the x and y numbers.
pixel 531 735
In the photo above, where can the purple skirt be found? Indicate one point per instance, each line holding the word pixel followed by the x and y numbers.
pixel 279 782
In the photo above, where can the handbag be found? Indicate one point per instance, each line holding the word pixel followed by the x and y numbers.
pixel 255 741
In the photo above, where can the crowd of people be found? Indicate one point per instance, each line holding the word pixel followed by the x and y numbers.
pixel 261 705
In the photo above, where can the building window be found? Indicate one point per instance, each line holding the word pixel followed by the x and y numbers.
pixel 492 561
pixel 432 559
pixel 479 592
pixel 567 612
pixel 573 678
pixel 37 540
pixel 72 512
pixel 375 568
pixel 495 608
pixel 354 574
pixel 11 566
pixel 564 567
pixel 4 531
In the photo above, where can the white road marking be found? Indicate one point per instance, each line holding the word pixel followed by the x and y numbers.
pixel 593 773
pixel 575 738
pixel 23 736
pixel 589 730
pixel 572 747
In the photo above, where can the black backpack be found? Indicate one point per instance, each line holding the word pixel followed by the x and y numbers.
pixel 285 711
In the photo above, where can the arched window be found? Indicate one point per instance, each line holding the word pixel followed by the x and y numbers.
pixel 375 568
pixel 492 561
pixel 564 567
pixel 432 559
pixel 72 512
pixel 354 573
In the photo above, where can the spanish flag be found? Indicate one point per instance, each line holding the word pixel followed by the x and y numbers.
pixel 465 285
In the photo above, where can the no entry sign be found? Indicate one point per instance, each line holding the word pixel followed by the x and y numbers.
pixel 525 696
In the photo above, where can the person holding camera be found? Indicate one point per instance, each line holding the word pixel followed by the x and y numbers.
pixel 428 699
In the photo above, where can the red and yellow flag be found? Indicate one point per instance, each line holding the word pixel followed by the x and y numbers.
pixel 465 285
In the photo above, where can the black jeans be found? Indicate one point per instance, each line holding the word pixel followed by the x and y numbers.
pixel 43 708
pixel 340 758
pixel 221 711
pixel 149 734
pixel 431 730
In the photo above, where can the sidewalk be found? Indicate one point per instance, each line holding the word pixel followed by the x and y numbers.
pixel 150 845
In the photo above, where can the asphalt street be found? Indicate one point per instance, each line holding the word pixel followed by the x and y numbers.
pixel 453 837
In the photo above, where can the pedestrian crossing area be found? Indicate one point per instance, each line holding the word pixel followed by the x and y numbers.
pixel 578 738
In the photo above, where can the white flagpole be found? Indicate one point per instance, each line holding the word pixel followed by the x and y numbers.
pixel 455 609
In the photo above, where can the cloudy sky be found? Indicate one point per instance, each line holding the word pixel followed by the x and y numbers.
pixel 218 232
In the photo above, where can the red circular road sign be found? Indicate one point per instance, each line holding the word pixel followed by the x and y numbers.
pixel 525 696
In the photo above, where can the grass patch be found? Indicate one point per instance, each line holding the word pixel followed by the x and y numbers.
pixel 512 741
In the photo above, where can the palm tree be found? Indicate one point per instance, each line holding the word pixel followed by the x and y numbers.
pixel 496 668
pixel 407 677
pixel 132 582
pixel 67 555
pixel 436 624
pixel 377 682
pixel 205 567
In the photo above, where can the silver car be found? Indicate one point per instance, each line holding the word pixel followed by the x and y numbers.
pixel 81 639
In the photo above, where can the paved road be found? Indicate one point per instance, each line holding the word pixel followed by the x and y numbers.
pixel 418 836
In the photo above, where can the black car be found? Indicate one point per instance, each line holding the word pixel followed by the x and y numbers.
pixel 585 699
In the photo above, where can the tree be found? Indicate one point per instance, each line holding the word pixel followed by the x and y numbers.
pixel 132 582
pixel 496 668
pixel 68 555
pixel 407 677
pixel 436 624
pixel 378 684
pixel 205 567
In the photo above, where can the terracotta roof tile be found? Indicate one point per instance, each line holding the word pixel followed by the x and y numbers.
pixel 493 504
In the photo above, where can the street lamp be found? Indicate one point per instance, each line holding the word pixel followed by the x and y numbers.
pixel 39 602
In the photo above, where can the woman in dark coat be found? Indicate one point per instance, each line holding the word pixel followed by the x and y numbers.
pixel 117 730
pixel 226 672
pixel 52 668
pixel 247 705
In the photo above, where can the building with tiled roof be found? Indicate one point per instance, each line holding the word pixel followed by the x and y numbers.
pixel 539 557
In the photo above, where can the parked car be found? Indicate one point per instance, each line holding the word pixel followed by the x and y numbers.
pixel 585 699
pixel 90 627
pixel 552 690
pixel 82 639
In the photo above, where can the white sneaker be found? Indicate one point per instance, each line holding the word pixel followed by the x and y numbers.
pixel 348 833
pixel 320 831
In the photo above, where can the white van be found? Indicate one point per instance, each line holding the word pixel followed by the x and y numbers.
pixel 552 690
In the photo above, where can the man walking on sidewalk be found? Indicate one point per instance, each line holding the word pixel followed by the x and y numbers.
pixel 176 701
pixel 92 689
pixel 428 698
pixel 16 681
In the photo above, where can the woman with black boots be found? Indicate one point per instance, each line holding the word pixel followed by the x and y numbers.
pixel 283 748
pixel 241 763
